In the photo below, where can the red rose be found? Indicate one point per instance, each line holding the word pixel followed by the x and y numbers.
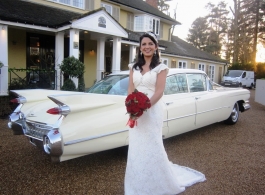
pixel 136 103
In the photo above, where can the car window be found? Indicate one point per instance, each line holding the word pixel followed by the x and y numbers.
pixel 114 84
pixel 176 84
pixel 196 82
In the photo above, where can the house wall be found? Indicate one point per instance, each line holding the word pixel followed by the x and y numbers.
pixel 90 61
pixel 194 64
pixel 123 18
pixel 17 50
pixel 166 28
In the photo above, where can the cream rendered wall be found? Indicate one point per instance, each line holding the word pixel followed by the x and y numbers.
pixel 16 51
pixel 219 68
pixel 123 18
pixel 97 4
pixel 166 28
pixel 90 61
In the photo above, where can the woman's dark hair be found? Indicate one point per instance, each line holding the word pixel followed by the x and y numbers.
pixel 140 58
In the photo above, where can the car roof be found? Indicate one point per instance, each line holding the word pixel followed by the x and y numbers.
pixel 170 72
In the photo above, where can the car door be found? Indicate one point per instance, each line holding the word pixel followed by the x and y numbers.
pixel 179 105
pixel 208 102
pixel 244 78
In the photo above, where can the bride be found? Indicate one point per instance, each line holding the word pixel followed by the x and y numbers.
pixel 148 170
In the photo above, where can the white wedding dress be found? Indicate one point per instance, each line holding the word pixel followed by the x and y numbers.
pixel 148 171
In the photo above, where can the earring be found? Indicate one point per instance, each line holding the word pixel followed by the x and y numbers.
pixel 141 53
pixel 154 53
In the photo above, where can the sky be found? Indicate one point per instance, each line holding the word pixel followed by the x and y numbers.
pixel 187 11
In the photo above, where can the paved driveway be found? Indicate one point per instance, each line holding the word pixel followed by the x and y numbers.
pixel 231 157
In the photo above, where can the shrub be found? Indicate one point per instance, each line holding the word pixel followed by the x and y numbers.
pixel 68 85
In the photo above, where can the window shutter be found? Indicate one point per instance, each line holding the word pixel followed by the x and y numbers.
pixel 89 5
pixel 129 24
pixel 116 13
pixel 161 31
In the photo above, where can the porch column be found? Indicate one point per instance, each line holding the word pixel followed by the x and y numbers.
pixel 74 48
pixel 4 60
pixel 59 56
pixel 100 58
pixel 132 54
pixel 116 55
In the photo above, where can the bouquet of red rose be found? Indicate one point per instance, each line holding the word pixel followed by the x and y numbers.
pixel 136 103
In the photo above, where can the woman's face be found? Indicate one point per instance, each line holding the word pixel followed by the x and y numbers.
pixel 148 47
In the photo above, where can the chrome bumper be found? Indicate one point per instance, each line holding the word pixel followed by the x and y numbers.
pixel 246 106
pixel 41 135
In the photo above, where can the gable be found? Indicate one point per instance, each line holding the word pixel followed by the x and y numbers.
pixel 100 22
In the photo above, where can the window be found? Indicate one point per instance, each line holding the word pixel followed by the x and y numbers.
pixel 164 61
pixel 107 7
pixel 74 3
pixel 130 23
pixel 196 82
pixel 182 64
pixel 211 72
pixel 176 84
pixel 112 10
pixel 89 5
pixel 201 67
pixel 143 23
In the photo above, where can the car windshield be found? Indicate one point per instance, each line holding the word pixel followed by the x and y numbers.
pixel 113 84
pixel 233 73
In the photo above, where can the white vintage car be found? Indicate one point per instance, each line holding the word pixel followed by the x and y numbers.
pixel 69 124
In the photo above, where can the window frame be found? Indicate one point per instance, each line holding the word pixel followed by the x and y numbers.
pixel 211 72
pixel 71 4
pixel 182 62
pixel 164 59
pixel 107 5
pixel 202 66
pixel 148 23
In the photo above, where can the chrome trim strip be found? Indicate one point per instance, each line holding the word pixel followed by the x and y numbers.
pixel 196 113
pixel 93 137
pixel 212 110
pixel 180 117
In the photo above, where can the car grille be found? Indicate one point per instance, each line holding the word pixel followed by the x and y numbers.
pixel 37 130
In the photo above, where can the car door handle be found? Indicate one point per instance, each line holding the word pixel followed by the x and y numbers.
pixel 168 103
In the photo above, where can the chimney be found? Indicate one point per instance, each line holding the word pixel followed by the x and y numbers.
pixel 153 3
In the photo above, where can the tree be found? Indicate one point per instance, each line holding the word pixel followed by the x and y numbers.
pixel 217 24
pixel 198 33
pixel 162 5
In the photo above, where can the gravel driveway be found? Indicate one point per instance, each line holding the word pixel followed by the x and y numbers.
pixel 231 157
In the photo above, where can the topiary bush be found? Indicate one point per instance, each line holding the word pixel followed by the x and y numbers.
pixel 73 68
pixel 68 85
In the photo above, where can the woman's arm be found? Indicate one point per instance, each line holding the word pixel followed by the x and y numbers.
pixel 160 86
pixel 131 85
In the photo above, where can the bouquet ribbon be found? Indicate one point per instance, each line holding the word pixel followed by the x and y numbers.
pixel 131 122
